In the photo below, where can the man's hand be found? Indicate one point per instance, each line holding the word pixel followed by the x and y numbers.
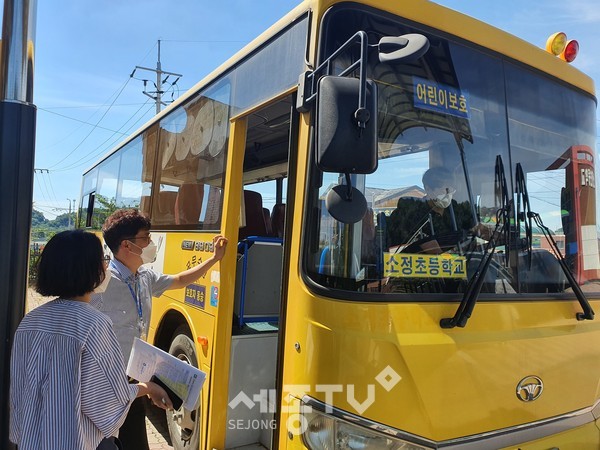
pixel 219 246
pixel 483 231
pixel 186 277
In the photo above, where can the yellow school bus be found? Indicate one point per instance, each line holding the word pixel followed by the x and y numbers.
pixel 412 195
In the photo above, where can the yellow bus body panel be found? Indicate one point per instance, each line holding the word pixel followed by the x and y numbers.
pixel 582 438
pixel 446 20
pixel 455 382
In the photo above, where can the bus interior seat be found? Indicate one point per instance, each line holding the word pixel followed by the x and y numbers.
pixel 268 225
pixel 493 274
pixel 545 275
pixel 145 204
pixel 278 219
pixel 164 213
pixel 189 204
pixel 368 254
pixel 255 219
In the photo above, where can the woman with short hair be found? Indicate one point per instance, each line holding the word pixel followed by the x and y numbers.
pixel 68 385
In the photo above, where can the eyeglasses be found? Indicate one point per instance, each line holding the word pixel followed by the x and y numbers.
pixel 106 259
pixel 133 238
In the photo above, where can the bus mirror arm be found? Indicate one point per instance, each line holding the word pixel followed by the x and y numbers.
pixel 391 49
pixel 309 80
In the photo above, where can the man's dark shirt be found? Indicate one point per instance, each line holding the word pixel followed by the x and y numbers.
pixel 411 213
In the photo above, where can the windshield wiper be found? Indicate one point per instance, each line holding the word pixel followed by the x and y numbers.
pixel 467 304
pixel 588 312
pixel 524 215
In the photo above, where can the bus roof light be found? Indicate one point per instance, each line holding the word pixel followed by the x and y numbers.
pixel 556 43
pixel 570 52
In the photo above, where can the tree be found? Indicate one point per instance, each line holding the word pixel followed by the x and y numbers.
pixel 37 219
pixel 63 221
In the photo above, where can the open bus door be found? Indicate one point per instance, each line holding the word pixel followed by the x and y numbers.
pixel 246 356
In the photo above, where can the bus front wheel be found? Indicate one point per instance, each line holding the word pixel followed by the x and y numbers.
pixel 184 425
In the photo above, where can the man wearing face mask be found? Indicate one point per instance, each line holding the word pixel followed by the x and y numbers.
pixel 127 299
pixel 436 215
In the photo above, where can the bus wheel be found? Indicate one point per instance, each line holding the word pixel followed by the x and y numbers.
pixel 184 425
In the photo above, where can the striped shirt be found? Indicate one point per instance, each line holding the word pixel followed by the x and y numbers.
pixel 119 301
pixel 68 387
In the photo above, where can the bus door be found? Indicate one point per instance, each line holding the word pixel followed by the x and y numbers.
pixel 261 186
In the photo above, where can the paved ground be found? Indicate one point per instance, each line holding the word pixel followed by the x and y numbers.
pixel 158 433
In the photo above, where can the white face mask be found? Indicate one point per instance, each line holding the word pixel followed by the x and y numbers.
pixel 442 201
pixel 148 253
pixel 102 286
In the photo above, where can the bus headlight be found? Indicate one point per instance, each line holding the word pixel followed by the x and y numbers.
pixel 330 433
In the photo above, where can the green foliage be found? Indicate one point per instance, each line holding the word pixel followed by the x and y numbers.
pixel 37 219
pixel 43 229
pixel 103 207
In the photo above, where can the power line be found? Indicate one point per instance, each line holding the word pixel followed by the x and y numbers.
pixel 36 180
pixel 91 156
pixel 205 42
pixel 78 120
pixel 51 187
pixel 157 97
pixel 94 127
pixel 85 106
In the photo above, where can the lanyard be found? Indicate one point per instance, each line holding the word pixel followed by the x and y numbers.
pixel 136 297
pixel 134 292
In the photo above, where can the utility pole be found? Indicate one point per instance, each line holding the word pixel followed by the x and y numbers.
pixel 17 149
pixel 69 216
pixel 157 94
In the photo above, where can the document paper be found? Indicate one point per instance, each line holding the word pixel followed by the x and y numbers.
pixel 182 378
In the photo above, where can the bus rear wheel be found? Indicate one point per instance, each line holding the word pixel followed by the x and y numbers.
pixel 184 426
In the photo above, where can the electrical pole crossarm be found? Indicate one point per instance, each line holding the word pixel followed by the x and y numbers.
pixel 153 97
pixel 161 71
pixel 159 81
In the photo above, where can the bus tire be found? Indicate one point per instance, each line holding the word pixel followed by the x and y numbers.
pixel 185 426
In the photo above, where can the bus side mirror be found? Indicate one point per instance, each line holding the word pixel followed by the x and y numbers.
pixel 346 141
pixel 343 146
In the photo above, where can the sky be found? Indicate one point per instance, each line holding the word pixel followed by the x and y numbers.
pixel 86 50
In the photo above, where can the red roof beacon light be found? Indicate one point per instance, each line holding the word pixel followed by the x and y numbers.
pixel 570 52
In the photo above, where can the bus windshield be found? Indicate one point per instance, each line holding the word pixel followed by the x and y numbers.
pixel 445 124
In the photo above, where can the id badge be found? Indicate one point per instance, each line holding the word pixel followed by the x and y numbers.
pixel 142 329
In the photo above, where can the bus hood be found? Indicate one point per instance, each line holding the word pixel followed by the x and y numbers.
pixel 512 364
